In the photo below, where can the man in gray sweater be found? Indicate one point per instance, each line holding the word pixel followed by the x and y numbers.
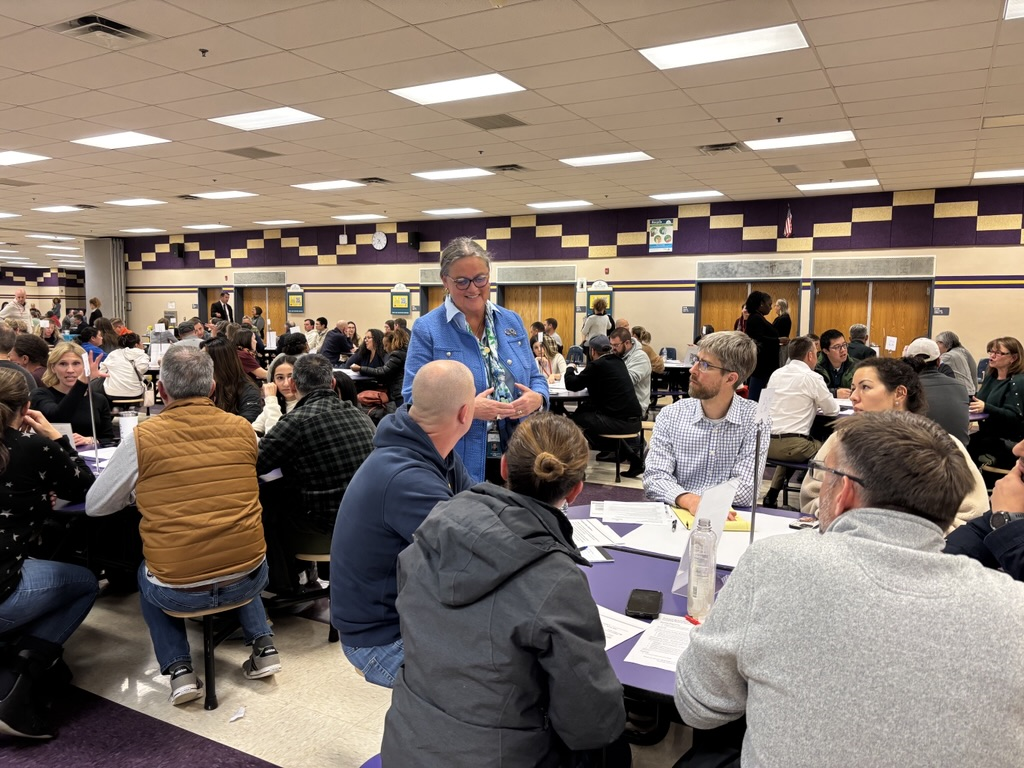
pixel 867 646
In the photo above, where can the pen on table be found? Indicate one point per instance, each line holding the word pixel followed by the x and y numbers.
pixel 692 620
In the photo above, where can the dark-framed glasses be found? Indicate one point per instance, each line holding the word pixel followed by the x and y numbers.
pixel 462 283
pixel 839 347
pixel 818 471
pixel 704 366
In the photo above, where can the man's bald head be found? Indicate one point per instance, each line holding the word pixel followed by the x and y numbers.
pixel 622 323
pixel 439 392
pixel 340 325
pixel 19 295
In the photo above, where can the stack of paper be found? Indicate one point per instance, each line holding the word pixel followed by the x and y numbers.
pixel 637 512
pixel 590 532
pixel 618 628
pixel 662 643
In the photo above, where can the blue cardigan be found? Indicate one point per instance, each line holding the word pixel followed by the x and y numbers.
pixel 441 335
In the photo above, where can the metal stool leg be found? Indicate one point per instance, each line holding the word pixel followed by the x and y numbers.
pixel 209 663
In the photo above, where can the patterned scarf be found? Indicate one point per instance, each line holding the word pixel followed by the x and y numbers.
pixel 498 375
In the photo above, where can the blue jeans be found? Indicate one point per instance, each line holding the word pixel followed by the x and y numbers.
pixel 379 664
pixel 168 633
pixel 50 601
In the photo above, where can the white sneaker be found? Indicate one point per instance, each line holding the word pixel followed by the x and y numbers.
pixel 185 686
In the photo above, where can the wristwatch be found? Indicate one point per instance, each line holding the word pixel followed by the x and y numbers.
pixel 999 519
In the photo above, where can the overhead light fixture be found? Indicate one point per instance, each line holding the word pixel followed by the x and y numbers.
pixel 560 204
pixel 740 45
pixel 136 201
pixel 9 215
pixel 16 158
pixel 837 185
pixel 807 140
pixel 59 247
pixel 66 257
pixel 455 173
pixel 322 185
pixel 1014 9
pixel 687 195
pixel 1007 174
pixel 620 157
pixel 143 230
pixel 267 118
pixel 206 226
pixel 5 251
pixel 58 209
pixel 229 194
pixel 457 90
pixel 360 217
pixel 122 140
pixel 278 222
pixel 451 211
pixel 51 237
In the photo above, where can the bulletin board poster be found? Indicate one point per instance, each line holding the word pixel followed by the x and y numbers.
pixel 296 303
pixel 401 303
pixel 660 234
pixel 593 296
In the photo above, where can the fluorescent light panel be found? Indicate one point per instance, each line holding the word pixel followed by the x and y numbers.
pixel 58 209
pixel 837 185
pixel 1006 174
pixel 457 90
pixel 279 222
pixel 741 45
pixel 455 173
pixel 267 118
pixel 59 247
pixel 1014 9
pixel 620 157
pixel 360 217
pixel 451 211
pixel 10 215
pixel 5 251
pixel 51 237
pixel 560 204
pixel 136 201
pixel 206 226
pixel 143 230
pixel 687 195
pixel 807 140
pixel 229 194
pixel 16 158
pixel 121 140
pixel 317 186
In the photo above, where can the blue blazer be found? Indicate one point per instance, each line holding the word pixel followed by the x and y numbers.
pixel 441 335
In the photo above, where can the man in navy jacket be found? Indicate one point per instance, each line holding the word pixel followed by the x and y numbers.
pixel 413 466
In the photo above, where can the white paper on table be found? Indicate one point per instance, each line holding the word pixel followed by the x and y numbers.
pixel 88 452
pixel 595 555
pixel 638 512
pixel 715 504
pixel 593 532
pixel 657 540
pixel 618 628
pixel 271 341
pixel 66 430
pixel 156 353
pixel 662 644
pixel 733 544
pixel 890 343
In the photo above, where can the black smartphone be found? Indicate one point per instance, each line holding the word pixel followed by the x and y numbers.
pixel 644 604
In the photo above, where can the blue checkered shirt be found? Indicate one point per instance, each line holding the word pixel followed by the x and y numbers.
pixel 689 453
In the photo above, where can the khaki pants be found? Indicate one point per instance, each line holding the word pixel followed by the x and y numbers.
pixel 789 449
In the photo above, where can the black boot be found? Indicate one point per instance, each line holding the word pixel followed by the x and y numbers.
pixel 771 499
pixel 25 710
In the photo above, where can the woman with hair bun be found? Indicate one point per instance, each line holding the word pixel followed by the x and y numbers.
pixel 41 602
pixel 504 652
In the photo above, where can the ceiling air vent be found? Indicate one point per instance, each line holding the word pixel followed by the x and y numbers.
pixel 252 153
pixel 786 169
pixel 509 168
pixel 16 183
pixel 103 32
pixel 494 122
pixel 373 180
pixel 188 197
pixel 861 162
pixel 732 148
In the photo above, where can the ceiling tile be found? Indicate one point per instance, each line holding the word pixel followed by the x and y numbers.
pixel 549 49
pixel 496 26
pixel 432 69
pixel 319 23
pixel 184 53
pixel 371 50
pixel 707 20
pixel 38 49
pixel 909 46
pixel 898 20
pixel 263 70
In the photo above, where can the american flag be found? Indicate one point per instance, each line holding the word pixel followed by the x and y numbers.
pixel 787 228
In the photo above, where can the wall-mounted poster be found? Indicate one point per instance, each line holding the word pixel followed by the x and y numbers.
pixel 660 234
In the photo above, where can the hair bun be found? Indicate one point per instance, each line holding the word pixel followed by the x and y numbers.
pixel 548 467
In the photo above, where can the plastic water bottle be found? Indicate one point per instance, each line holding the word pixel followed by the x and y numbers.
pixel 128 421
pixel 700 593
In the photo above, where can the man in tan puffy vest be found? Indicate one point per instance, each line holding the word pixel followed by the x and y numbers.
pixel 202 539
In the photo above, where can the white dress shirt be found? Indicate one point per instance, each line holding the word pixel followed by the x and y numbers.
pixel 798 394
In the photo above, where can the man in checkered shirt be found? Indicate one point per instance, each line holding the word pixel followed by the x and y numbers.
pixel 318 446
pixel 708 438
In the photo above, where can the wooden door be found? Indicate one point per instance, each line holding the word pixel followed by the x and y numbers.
pixel 524 300
pixel 559 302
pixel 207 297
pixel 788 290
pixel 269 298
pixel 434 298
pixel 900 308
pixel 838 304
pixel 720 305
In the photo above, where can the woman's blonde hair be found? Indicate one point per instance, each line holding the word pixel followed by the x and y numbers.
pixel 61 349
pixel 550 348
pixel 546 457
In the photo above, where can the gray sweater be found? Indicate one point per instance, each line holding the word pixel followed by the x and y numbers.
pixel 865 646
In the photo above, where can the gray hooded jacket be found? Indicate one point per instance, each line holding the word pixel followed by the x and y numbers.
pixel 504 652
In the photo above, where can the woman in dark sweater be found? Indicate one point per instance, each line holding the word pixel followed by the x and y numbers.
pixel 765 337
pixel 1001 396
pixel 41 602
pixel 96 313
pixel 235 392
pixel 370 353
pixel 64 397
pixel 391 375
